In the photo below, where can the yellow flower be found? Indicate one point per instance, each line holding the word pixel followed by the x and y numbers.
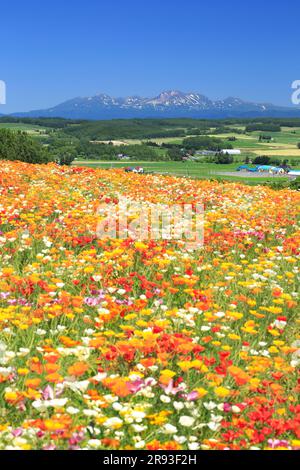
pixel 88 269
pixel 274 332
pixel 233 336
pixel 11 396
pixel 23 371
pixel 201 392
pixel 184 365
pixel 222 392
pixel 167 373
pixel 140 246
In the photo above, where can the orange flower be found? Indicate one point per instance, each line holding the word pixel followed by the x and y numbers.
pixel 50 368
pixel 148 361
pixel 51 357
pixel 276 292
pixel 78 369
pixel 36 366
pixel 33 383
pixel 119 386
pixel 68 342
pixel 111 443
pixel 54 377
pixel 97 342
pixel 239 375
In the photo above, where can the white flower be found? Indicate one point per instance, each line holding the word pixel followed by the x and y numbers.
pixel 216 418
pixel 94 443
pixel 58 402
pixel 169 429
pixel 89 331
pixel 213 426
pixel 121 291
pixel 5 371
pixel 55 403
pixel 189 404
pixel 178 405
pixel 39 405
pixel 165 399
pixel 90 413
pixel 72 410
pixel 110 398
pixel 193 446
pixel 23 351
pixel 117 406
pixel 113 423
pixel 235 409
pixel 186 421
pixel 219 314
pixel 209 405
pixel 140 444
pixel 103 311
pixel 3 347
pixel 134 377
pixel 180 439
pixel 61 327
pixel 138 427
pixel 41 332
pixel 205 328
pixel 79 386
pixel 138 416
pixel 99 377
pixel 19 441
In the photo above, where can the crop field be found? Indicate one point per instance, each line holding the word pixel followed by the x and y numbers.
pixel 282 144
pixel 28 128
pixel 121 343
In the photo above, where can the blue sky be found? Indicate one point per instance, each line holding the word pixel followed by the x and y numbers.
pixel 51 51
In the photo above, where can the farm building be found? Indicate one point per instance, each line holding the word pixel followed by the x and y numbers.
pixel 205 152
pixel 231 151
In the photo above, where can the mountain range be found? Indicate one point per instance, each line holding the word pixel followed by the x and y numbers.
pixel 168 104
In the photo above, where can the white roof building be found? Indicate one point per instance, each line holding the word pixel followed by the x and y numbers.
pixel 231 151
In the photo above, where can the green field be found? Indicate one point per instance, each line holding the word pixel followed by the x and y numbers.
pixel 95 143
pixel 31 129
pixel 185 169
pixel 283 144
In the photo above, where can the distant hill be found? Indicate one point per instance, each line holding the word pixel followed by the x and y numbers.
pixel 168 104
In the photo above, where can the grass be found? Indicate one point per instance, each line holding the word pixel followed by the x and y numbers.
pixel 31 129
pixel 186 169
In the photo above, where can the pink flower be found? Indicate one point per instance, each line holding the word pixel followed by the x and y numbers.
pixel 227 407
pixel 17 432
pixel 48 393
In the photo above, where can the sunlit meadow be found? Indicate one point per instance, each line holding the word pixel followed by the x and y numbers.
pixel 111 343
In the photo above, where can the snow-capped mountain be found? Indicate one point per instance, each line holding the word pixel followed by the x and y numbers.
pixel 172 103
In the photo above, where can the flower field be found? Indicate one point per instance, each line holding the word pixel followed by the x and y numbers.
pixel 124 344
